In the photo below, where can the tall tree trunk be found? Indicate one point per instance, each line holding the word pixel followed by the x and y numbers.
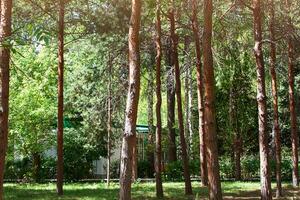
pixel 5 33
pixel 150 102
pixel 172 152
pixel 185 160
pixel 275 100
pixel 291 63
pixel 195 27
pixel 109 121
pixel 159 187
pixel 214 183
pixel 261 101
pixel 60 111
pixel 129 135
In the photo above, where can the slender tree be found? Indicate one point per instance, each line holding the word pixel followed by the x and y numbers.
pixel 172 152
pixel 109 120
pixel 159 188
pixel 5 33
pixel 174 37
pixel 195 27
pixel 275 99
pixel 261 101
pixel 132 102
pixel 214 183
pixel 291 64
pixel 60 112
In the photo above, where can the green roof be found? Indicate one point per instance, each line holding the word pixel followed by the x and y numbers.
pixel 142 129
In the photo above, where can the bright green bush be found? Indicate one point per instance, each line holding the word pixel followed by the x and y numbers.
pixel 226 167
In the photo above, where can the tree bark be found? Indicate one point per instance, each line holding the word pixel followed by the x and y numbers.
pixel 135 160
pixel 237 155
pixel 5 33
pixel 36 166
pixel 195 27
pixel 158 160
pixel 261 101
pixel 291 63
pixel 275 100
pixel 185 160
pixel 214 183
pixel 172 152
pixel 132 102
pixel 60 111
pixel 109 120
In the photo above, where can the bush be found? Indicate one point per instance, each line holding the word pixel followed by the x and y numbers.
pixel 226 167
pixel 17 169
pixel 194 167
pixel 115 169
pixel 145 169
pixel 173 171
pixel 250 167
pixel 48 168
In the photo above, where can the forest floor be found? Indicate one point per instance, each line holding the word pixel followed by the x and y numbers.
pixel 141 191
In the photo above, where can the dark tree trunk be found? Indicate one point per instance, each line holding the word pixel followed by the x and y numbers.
pixel 5 32
pixel 36 167
pixel 291 63
pixel 266 193
pixel 60 111
pixel 293 114
pixel 172 152
pixel 275 100
pixel 195 27
pixel 174 37
pixel 214 183
pixel 159 188
pixel 109 121
pixel 129 135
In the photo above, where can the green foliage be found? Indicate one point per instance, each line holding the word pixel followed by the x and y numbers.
pixel 32 101
pixel 250 167
pixel 226 167
pixel 145 169
pixel 79 153
pixel 173 171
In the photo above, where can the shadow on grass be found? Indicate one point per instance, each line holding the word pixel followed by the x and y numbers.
pixel 25 192
pixel 289 193
pixel 172 191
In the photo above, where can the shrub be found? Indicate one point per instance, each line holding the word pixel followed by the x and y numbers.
pixel 226 167
pixel 115 169
pixel 250 166
pixel 194 167
pixel 173 171
pixel 145 169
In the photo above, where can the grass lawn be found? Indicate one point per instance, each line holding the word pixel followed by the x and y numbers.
pixel 141 191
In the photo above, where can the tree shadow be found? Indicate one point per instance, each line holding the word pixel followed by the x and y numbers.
pixel 288 193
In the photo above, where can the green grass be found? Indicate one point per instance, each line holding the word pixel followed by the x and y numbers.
pixel 141 191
